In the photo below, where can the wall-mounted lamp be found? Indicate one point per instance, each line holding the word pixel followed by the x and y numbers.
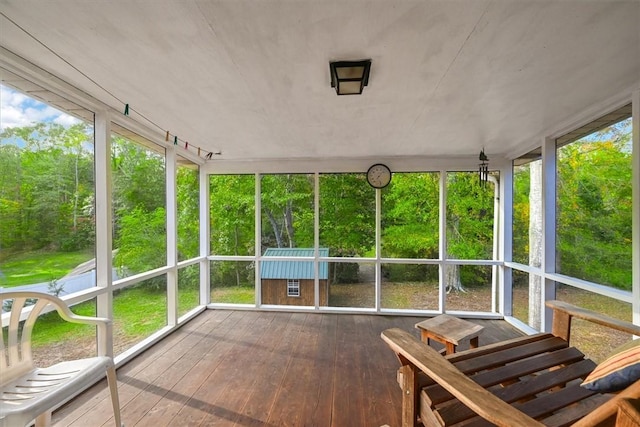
pixel 350 77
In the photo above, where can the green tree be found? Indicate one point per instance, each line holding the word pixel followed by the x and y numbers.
pixel 347 214
pixel 50 187
pixel 139 217
pixel 594 208
pixel 188 198
pixel 139 247
pixel 470 213
pixel 232 226
pixel 411 216
pixel 287 210
pixel 11 204
pixel 232 213
pixel 347 221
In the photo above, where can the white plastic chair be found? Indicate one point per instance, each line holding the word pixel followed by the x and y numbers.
pixel 29 392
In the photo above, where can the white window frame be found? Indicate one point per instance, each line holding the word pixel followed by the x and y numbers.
pixel 293 288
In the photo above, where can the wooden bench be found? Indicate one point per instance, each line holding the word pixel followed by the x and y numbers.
pixel 526 381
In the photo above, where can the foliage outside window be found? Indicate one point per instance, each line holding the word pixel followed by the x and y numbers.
pixel 470 219
pixel 527 209
pixel 410 216
pixel 347 219
pixel 47 216
pixel 188 200
pixel 188 205
pixel 232 225
pixel 287 211
pixel 139 214
pixel 594 202
pixel 232 230
pixel 410 225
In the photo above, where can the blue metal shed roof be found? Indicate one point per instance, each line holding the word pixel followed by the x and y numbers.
pixel 293 269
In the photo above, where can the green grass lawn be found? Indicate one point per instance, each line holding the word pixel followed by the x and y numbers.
pixel 37 267
pixel 233 294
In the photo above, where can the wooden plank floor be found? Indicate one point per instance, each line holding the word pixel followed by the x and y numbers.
pixel 250 368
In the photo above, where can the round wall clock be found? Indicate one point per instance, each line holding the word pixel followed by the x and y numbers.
pixel 379 175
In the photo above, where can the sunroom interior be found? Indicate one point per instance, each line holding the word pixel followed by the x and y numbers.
pixel 168 146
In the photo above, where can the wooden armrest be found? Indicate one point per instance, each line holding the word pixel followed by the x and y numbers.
pixel 563 313
pixel 479 400
pixel 604 415
pixel 628 413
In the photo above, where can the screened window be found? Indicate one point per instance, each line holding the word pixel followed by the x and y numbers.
pixel 594 202
pixel 293 288
pixel 287 211
pixel 47 208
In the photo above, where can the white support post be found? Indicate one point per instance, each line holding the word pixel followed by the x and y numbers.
pixel 316 240
pixel 443 241
pixel 378 265
pixel 258 239
pixel 505 250
pixel 104 222
pixel 205 293
pixel 635 240
pixel 549 200
pixel 172 235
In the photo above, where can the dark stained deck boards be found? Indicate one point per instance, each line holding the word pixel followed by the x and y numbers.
pixel 251 368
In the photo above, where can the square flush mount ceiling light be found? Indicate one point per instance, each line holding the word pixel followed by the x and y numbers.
pixel 349 77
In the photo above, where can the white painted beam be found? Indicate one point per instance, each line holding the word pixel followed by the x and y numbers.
pixel 104 222
pixel 505 239
pixel 172 235
pixel 549 167
pixel 635 240
pixel 205 292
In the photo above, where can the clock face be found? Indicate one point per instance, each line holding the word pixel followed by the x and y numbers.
pixel 379 176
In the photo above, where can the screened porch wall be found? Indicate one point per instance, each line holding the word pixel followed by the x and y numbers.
pixel 169 272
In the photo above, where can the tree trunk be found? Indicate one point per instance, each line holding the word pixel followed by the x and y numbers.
pixel 274 225
pixel 452 278
pixel 76 194
pixel 535 243
pixel 452 272
pixel 288 223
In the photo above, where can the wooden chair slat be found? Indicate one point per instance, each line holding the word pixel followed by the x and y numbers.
pixel 503 374
pixel 547 404
pixel 534 364
pixel 457 412
pixel 492 348
pixel 551 402
pixel 495 359
pixel 572 413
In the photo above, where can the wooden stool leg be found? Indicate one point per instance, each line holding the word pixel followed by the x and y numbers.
pixel 451 347
pixel 473 343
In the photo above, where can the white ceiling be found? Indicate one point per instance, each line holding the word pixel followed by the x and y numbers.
pixel 250 78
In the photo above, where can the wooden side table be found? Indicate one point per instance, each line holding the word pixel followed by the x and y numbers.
pixel 450 331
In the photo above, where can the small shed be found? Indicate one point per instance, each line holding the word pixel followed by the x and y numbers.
pixel 292 282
